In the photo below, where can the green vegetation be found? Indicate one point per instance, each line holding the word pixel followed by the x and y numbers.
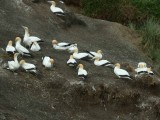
pixel 141 14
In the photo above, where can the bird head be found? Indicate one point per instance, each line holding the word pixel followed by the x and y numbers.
pixel 10 42
pixel 54 42
pixel 80 66
pixel 18 39
pixel 99 51
pixel 51 60
pixel 52 2
pixel 16 54
pixel 22 62
pixel 25 28
pixel 117 65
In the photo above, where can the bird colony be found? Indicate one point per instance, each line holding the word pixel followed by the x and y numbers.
pixel 31 44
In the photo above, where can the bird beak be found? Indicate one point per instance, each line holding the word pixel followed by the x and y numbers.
pixel 49 1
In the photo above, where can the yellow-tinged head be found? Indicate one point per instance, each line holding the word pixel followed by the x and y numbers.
pixel 54 42
pixel 25 28
pixel 117 65
pixel 10 42
pixel 18 39
pixel 99 51
pixel 51 60
pixel 80 66
pixel 22 62
pixel 52 2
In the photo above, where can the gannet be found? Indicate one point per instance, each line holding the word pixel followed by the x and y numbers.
pixel 56 10
pixel 28 67
pixel 72 48
pixel 94 55
pixel 35 47
pixel 99 62
pixel 82 56
pixel 142 68
pixel 47 61
pixel 14 65
pixel 121 73
pixel 10 49
pixel 27 40
pixel 82 73
pixel 150 72
pixel 22 50
pixel 61 45
pixel 71 62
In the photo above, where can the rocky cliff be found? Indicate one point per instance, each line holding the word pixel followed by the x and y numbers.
pixel 59 94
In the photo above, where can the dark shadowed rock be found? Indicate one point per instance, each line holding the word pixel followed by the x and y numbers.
pixel 58 94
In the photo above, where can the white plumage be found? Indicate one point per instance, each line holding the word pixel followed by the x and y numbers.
pixel 22 50
pixel 27 40
pixel 72 48
pixel 121 73
pixel 150 72
pixel 14 65
pixel 10 49
pixel 142 68
pixel 56 10
pixel 71 62
pixel 29 67
pixel 82 73
pixel 47 61
pixel 94 55
pixel 83 56
pixel 35 47
pixel 61 45
pixel 99 62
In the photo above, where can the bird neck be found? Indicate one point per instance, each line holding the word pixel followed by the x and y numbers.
pixel 15 59
pixel 53 5
pixel 26 33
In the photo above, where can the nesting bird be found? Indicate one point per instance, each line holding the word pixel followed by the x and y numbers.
pixel 22 50
pixel 28 67
pixel 61 45
pixel 10 49
pixel 121 73
pixel 35 47
pixel 47 61
pixel 14 65
pixel 72 48
pixel 94 55
pixel 71 62
pixel 56 10
pixel 99 62
pixel 150 72
pixel 27 40
pixel 81 56
pixel 142 68
pixel 82 73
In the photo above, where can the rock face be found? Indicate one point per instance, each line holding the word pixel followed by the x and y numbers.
pixel 58 94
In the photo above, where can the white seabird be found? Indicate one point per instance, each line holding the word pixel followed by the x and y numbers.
pixel 61 45
pixel 47 61
pixel 150 72
pixel 142 68
pixel 82 56
pixel 71 62
pixel 28 67
pixel 27 40
pixel 72 48
pixel 82 73
pixel 121 73
pixel 14 65
pixel 22 50
pixel 94 55
pixel 99 62
pixel 35 47
pixel 56 10
pixel 10 49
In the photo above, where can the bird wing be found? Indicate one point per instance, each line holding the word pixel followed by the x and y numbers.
pixel 34 38
pixel 21 49
pixel 35 47
pixel 121 72
pixel 10 48
pixel 29 66
pixel 56 9
pixel 63 44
